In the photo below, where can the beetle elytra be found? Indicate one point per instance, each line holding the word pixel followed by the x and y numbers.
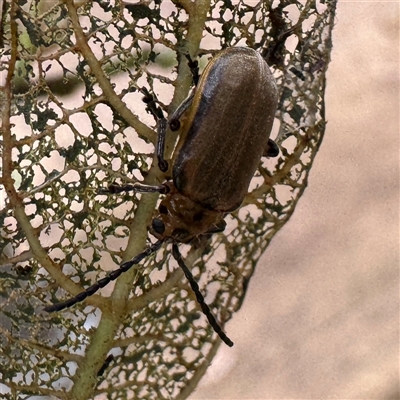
pixel 224 127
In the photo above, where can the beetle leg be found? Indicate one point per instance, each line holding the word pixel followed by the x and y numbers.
pixel 111 276
pixel 272 149
pixel 194 69
pixel 200 299
pixel 174 120
pixel 136 187
pixel 152 108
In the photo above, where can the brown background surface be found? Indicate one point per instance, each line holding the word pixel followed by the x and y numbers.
pixel 321 317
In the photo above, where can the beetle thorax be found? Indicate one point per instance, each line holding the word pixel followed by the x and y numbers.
pixel 182 219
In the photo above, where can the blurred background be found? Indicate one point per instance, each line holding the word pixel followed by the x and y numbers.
pixel 321 317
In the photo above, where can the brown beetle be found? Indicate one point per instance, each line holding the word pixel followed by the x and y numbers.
pixel 224 127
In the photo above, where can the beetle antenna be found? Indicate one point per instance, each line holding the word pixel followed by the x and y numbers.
pixel 111 276
pixel 136 187
pixel 200 299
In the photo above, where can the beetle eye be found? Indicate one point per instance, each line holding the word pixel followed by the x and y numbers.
pixel 158 226
pixel 174 125
pixel 162 209
pixel 198 217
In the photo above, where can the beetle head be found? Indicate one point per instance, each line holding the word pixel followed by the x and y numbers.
pixel 181 219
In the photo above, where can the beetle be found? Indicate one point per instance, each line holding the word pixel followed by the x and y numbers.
pixel 224 127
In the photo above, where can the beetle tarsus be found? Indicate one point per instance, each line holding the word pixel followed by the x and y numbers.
pixel 152 108
pixel 161 131
pixel 199 297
